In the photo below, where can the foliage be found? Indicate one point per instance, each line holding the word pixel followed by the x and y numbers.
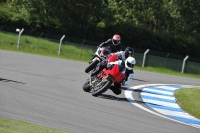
pixel 164 25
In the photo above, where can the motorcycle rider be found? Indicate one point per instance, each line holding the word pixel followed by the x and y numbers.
pixel 125 54
pixel 123 59
pixel 122 55
pixel 129 64
pixel 114 43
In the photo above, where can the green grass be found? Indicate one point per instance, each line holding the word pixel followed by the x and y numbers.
pixel 45 47
pixel 11 126
pixel 168 71
pixel 188 99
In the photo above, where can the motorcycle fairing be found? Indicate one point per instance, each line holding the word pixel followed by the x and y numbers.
pixel 112 58
pixel 116 72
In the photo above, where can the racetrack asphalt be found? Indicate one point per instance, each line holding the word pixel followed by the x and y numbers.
pixel 48 91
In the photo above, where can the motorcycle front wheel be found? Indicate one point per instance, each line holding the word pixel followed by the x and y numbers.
pixel 101 87
pixel 91 66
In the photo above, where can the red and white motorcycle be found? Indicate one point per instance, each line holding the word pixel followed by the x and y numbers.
pixel 101 82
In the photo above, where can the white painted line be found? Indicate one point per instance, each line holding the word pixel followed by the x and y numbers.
pixel 173 105
pixel 167 88
pixel 157 91
pixel 175 113
pixel 157 96
pixel 195 125
pixel 128 95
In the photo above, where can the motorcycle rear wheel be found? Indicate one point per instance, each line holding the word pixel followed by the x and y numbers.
pixel 86 85
pixel 102 89
pixel 91 66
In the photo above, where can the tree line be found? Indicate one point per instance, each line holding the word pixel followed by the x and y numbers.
pixel 170 26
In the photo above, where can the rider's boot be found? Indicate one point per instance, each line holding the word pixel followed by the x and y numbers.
pixel 116 89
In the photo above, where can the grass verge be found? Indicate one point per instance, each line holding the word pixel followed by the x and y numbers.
pixel 11 126
pixel 189 100
pixel 168 71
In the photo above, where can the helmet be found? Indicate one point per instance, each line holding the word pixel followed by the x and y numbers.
pixel 128 52
pixel 129 63
pixel 105 51
pixel 116 39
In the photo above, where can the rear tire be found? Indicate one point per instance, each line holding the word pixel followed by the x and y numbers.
pixel 102 89
pixel 91 66
pixel 86 86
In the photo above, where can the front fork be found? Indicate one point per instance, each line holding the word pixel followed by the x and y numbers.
pixel 90 79
pixel 106 77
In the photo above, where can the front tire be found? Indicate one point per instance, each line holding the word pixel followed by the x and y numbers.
pixel 100 90
pixel 91 66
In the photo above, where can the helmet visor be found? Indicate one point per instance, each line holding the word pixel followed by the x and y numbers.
pixel 116 42
pixel 130 65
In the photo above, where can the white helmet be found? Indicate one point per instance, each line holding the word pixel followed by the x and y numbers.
pixel 129 63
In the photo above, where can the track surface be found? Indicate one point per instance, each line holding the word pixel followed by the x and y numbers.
pixel 48 91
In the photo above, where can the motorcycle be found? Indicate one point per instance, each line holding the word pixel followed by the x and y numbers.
pixel 107 77
pixel 100 54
